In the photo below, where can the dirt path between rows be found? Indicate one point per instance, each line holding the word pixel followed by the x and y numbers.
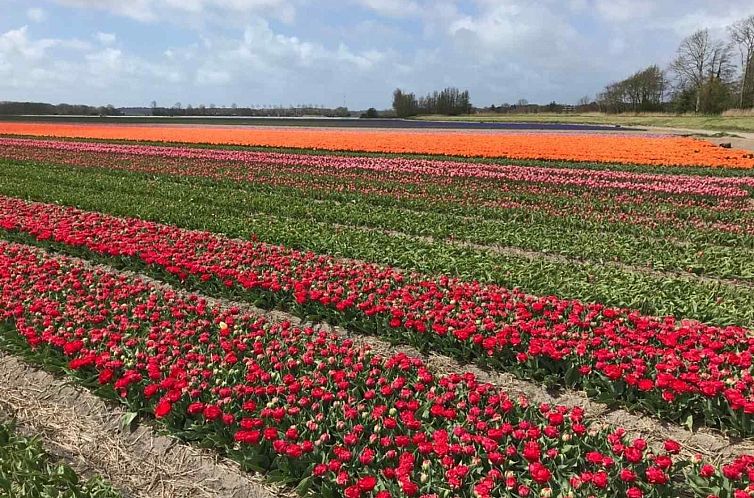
pixel 84 431
pixel 737 139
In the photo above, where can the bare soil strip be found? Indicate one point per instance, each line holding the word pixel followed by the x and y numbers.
pixel 85 431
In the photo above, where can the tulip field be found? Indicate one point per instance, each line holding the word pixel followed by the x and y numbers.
pixel 647 149
pixel 186 274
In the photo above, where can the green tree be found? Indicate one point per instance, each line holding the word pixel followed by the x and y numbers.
pixel 404 104
pixel 641 92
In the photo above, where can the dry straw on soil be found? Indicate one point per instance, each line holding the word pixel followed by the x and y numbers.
pixel 83 430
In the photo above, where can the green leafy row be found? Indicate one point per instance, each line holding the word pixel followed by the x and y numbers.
pixel 27 471
pixel 444 201
pixel 725 256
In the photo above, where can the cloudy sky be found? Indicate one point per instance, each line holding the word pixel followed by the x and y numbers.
pixel 327 52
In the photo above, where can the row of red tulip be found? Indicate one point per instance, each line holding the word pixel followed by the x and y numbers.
pixel 673 368
pixel 309 408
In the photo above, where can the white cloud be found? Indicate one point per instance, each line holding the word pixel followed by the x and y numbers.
pixel 617 45
pixel 392 8
pixel 716 22
pixel 206 76
pixel 141 10
pixel 106 61
pixel 625 10
pixel 17 43
pixel 578 5
pixel 260 61
pixel 111 67
pixel 26 63
pixel 105 38
pixel 54 69
pixel 36 14
pixel 530 32
pixel 189 11
pixel 262 49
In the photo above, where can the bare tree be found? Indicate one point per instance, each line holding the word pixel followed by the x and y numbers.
pixel 721 67
pixel 742 35
pixel 693 58
pixel 704 65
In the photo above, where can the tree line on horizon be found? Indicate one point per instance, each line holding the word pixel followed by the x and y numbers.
pixel 450 102
pixel 178 110
pixel 41 109
pixel 707 76
pixel 8 108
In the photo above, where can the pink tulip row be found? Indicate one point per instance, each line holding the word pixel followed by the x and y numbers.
pixel 733 187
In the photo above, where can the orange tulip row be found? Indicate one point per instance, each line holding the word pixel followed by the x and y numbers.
pixel 643 149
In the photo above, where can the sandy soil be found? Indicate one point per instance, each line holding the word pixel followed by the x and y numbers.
pixel 86 432
pixel 737 139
